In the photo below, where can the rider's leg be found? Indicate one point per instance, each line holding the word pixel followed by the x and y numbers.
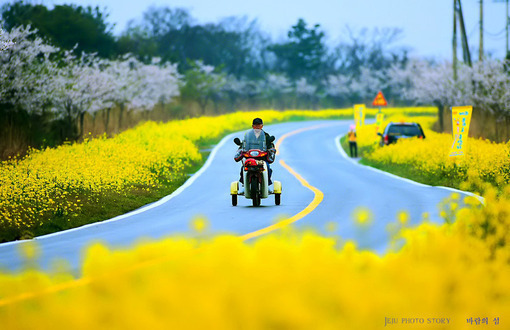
pixel 269 173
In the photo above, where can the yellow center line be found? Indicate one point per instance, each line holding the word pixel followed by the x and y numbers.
pixel 87 280
pixel 317 199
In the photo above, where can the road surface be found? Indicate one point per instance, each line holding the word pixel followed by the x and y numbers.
pixel 310 150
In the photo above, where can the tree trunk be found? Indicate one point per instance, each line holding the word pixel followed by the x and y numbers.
pixel 81 117
pixel 94 121
pixel 497 129
pixel 11 129
pixel 106 119
pixel 507 119
pixel 440 113
pixel 203 105
pixel 121 113
pixel 70 124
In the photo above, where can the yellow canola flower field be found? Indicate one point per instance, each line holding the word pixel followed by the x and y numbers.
pixel 55 184
pixel 441 277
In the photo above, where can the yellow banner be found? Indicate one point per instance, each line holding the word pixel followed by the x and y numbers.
pixel 379 118
pixel 461 119
pixel 359 114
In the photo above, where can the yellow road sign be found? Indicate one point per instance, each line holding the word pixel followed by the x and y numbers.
pixel 379 100
pixel 359 114
pixel 461 119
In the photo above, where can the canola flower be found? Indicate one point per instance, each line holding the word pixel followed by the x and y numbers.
pixel 55 183
pixel 288 279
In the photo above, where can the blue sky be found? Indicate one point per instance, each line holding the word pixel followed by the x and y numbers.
pixel 426 24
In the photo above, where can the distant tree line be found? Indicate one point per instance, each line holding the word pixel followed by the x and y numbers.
pixel 60 65
pixel 235 47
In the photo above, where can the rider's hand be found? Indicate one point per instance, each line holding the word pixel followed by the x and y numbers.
pixel 239 155
pixel 271 154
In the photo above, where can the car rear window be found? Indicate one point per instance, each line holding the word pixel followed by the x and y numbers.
pixel 406 130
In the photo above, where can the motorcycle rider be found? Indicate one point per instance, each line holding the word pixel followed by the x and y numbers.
pixel 257 138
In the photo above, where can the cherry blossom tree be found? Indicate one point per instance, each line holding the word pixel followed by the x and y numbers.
pixel 349 88
pixel 25 91
pixel 234 89
pixel 306 92
pixel 338 87
pixel 5 42
pixel 155 83
pixel 366 85
pixel 202 84
pixel 425 83
pixel 25 68
pixel 486 85
pixel 491 90
pixel 125 84
pixel 132 85
pixel 275 88
pixel 80 86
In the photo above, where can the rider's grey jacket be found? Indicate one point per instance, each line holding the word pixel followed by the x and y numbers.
pixel 251 141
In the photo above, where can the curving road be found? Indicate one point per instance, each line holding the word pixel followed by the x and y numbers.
pixel 311 152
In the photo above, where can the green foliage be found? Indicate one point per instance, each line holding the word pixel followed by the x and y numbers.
pixel 135 40
pixel 171 34
pixel 304 54
pixel 65 25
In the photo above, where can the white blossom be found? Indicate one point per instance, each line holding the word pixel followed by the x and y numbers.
pixel 337 85
pixel 491 87
pixel 156 83
pixel 304 88
pixel 278 83
pixel 5 42
pixel 25 70
pixel 368 83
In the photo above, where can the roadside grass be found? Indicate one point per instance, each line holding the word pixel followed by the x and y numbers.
pixel 362 150
pixel 105 206
pixel 410 172
pixel 426 161
pixel 403 170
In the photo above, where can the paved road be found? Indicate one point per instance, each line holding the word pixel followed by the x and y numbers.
pixel 312 153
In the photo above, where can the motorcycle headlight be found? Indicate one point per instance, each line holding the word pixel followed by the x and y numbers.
pixel 254 153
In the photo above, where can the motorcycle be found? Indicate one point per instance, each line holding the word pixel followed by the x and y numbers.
pixel 255 177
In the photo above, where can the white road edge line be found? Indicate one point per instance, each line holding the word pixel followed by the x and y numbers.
pixel 143 208
pixel 342 152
